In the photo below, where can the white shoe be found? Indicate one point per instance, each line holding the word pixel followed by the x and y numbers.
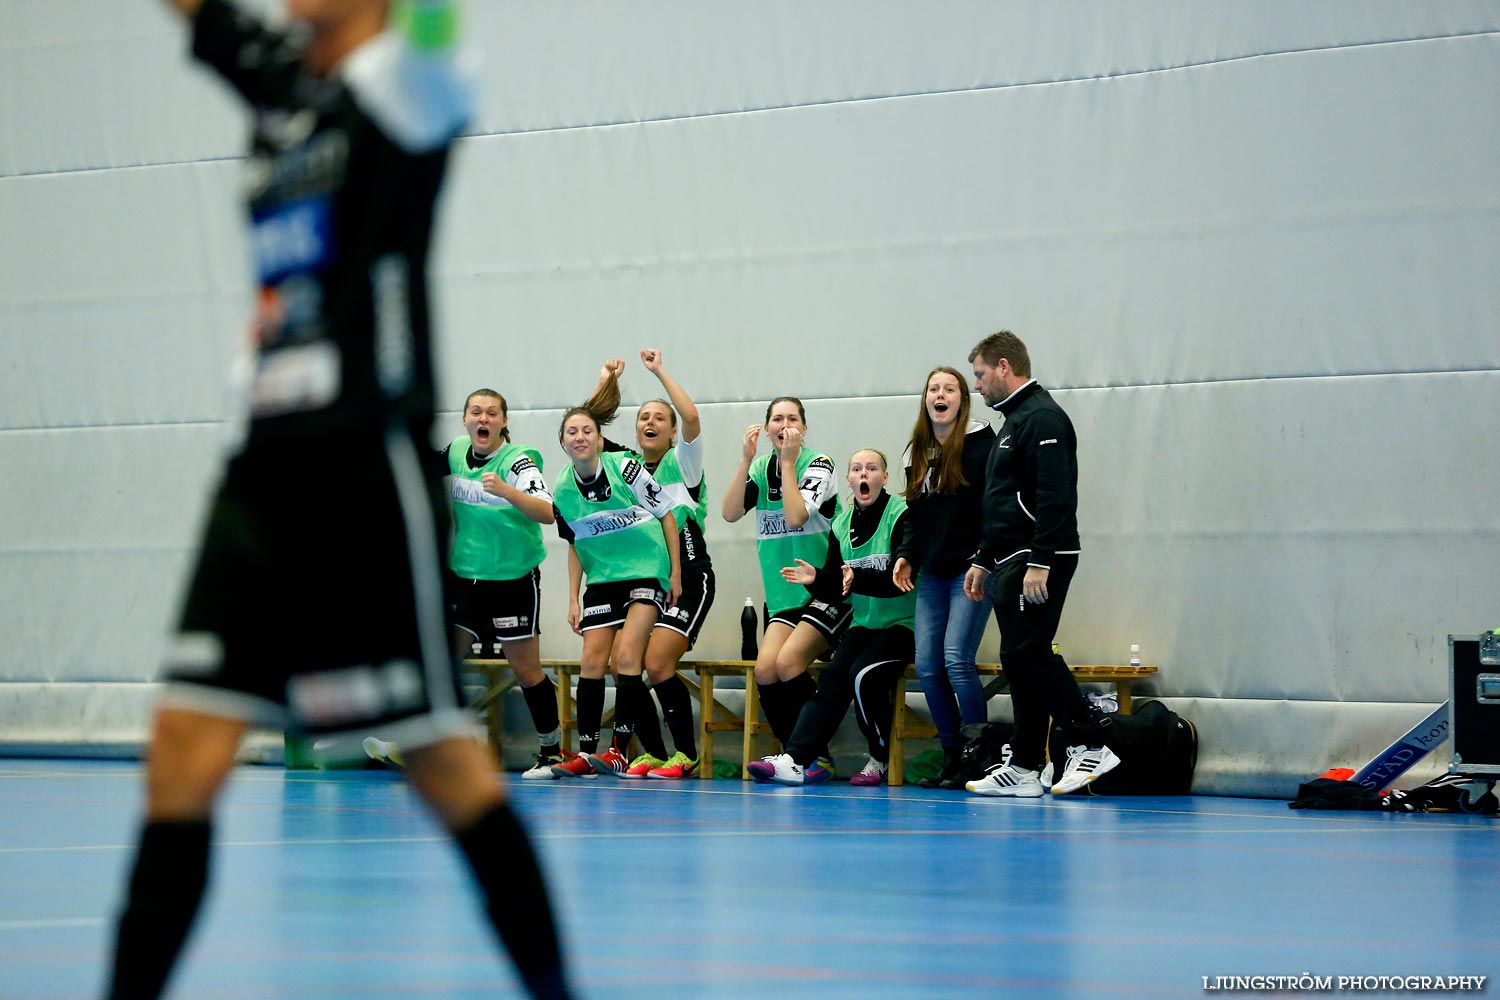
pixel 1008 781
pixel 541 770
pixel 1083 766
pixel 779 768
pixel 382 751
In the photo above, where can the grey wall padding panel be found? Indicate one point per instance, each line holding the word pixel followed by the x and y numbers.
pixel 1309 538
pixel 125 293
pixel 1251 246
pixel 98 523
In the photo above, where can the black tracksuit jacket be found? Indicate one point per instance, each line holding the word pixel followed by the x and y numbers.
pixel 1031 487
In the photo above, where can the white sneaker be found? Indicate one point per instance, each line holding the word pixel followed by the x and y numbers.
pixel 1083 766
pixel 873 773
pixel 779 768
pixel 382 751
pixel 541 770
pixel 1008 781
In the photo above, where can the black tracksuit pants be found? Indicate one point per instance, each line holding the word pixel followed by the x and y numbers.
pixel 864 671
pixel 1042 687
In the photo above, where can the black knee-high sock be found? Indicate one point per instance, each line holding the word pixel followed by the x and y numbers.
pixel 648 725
pixel 515 895
pixel 541 702
pixel 799 691
pixel 590 712
pixel 171 873
pixel 771 698
pixel 677 708
pixel 632 702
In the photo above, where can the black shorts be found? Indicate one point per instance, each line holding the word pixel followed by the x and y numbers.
pixel 605 604
pixel 830 619
pixel 692 607
pixel 319 607
pixel 496 611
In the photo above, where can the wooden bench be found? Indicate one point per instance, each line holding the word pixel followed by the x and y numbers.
pixel 499 678
pixel 716 717
pixel 905 725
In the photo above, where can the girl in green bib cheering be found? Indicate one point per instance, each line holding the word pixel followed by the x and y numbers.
pixel 792 493
pixel 500 501
pixel 878 645
pixel 674 457
pixel 673 454
pixel 622 537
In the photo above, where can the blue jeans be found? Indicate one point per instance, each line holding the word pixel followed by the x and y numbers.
pixel 948 629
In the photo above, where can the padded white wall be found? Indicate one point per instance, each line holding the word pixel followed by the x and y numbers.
pixel 1252 247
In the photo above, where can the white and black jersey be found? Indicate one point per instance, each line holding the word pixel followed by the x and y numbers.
pixel 693 544
pixel 341 332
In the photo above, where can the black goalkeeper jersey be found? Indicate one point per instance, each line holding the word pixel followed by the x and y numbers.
pixel 342 179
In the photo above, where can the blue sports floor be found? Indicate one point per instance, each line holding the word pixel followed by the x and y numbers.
pixel 336 884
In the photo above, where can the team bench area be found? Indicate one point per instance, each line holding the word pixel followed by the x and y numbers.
pixel 716 717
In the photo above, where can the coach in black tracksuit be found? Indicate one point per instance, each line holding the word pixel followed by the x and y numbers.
pixel 1030 544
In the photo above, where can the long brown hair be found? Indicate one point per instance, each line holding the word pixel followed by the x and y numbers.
pixel 602 405
pixel 925 450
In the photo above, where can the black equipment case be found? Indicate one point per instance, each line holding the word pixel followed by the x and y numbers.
pixel 1474 705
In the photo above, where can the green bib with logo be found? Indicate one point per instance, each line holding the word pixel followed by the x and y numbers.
pixel 615 538
pixel 776 544
pixel 875 553
pixel 492 539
